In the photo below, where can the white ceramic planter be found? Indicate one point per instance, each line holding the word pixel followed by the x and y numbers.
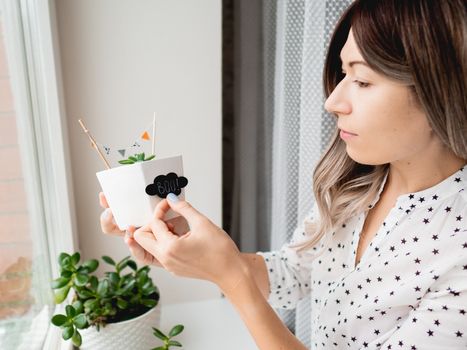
pixel 134 334
pixel 125 188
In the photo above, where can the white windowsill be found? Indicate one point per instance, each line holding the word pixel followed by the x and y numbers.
pixel 209 325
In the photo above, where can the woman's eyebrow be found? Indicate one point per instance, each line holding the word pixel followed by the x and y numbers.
pixel 351 63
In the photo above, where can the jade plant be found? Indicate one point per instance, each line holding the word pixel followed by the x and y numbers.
pixel 124 293
pixel 167 339
pixel 139 157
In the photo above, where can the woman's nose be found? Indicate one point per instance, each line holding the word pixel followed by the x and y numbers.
pixel 337 102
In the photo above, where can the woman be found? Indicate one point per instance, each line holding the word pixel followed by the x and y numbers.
pixel 384 252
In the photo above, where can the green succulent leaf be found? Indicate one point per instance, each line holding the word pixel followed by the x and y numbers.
pixel 126 161
pixel 122 264
pixel 149 302
pixel 108 260
pixel 76 339
pixel 133 159
pixel 122 304
pixel 144 269
pixel 108 310
pixel 75 258
pixel 159 334
pixel 66 274
pixel 149 290
pixel 62 257
pixel 93 281
pixel 61 294
pixel 68 332
pixel 113 277
pixel 80 321
pixel 60 282
pixel 84 293
pixel 142 279
pixel 59 320
pixel 91 303
pixel 132 265
pixel 70 311
pixel 176 330
pixel 78 305
pixel 174 343
pixel 66 263
pixel 150 157
pixel 103 288
pixel 81 279
pixel 129 286
pixel 91 265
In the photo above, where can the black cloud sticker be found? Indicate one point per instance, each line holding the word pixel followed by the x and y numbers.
pixel 165 184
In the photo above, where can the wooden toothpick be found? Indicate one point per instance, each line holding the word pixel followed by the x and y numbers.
pixel 94 144
pixel 153 133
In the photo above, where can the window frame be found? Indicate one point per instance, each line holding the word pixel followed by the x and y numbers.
pixel 32 49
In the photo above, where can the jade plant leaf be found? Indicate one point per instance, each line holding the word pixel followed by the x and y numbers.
pixel 80 321
pixel 176 330
pixel 61 294
pixel 108 260
pixel 60 282
pixel 68 332
pixel 76 339
pixel 59 320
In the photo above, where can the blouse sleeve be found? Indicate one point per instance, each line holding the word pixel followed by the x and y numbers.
pixel 289 271
pixel 440 320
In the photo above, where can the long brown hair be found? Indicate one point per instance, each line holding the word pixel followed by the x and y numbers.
pixel 421 43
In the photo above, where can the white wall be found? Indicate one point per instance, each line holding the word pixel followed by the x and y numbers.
pixel 121 61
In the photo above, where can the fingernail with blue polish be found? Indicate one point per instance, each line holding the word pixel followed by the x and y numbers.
pixel 172 197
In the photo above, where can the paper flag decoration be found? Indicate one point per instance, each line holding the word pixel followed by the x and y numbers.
pixel 137 145
pixel 145 136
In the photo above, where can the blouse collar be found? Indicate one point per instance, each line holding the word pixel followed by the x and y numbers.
pixel 453 184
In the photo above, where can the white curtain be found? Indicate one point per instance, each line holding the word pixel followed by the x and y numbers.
pixel 281 131
pixel 301 128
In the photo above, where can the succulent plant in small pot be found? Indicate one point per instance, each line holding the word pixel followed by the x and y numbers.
pixel 139 157
pixel 123 301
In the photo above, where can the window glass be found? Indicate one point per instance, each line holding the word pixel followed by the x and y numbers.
pixel 24 316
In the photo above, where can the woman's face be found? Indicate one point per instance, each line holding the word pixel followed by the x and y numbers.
pixel 382 115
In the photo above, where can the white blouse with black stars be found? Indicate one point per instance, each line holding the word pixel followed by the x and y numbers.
pixel 409 290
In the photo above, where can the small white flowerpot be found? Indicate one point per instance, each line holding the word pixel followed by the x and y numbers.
pixel 133 191
pixel 134 334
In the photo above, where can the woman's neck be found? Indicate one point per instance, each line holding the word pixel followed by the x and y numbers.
pixel 421 173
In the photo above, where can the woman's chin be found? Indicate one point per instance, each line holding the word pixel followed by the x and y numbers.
pixel 365 158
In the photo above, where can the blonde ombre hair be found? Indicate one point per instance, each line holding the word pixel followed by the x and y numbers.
pixel 420 43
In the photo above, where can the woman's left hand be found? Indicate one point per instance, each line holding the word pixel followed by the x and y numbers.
pixel 205 252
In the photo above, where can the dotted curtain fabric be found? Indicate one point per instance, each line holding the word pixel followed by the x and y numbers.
pixel 296 129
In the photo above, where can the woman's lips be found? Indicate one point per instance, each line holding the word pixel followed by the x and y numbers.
pixel 345 135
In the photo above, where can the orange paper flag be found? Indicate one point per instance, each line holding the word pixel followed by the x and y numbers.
pixel 145 136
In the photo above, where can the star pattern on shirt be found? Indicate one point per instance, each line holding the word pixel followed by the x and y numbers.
pixel 356 304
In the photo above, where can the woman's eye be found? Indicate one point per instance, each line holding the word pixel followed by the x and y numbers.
pixel 361 84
